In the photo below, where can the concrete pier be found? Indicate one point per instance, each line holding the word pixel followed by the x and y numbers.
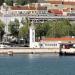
pixel 28 50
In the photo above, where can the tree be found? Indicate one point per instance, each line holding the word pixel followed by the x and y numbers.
pixel 33 1
pixel 56 28
pixel 63 28
pixel 2 25
pixel 72 30
pixel 9 2
pixel 14 27
pixel 24 30
pixel 59 28
pixel 23 2
pixel 51 30
pixel 42 29
pixel 19 2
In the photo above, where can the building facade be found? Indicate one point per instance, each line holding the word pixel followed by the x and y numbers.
pixel 56 42
pixel 37 12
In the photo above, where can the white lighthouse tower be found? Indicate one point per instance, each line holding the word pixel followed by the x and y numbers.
pixel 32 35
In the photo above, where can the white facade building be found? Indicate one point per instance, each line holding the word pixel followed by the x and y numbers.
pixel 50 44
pixel 55 42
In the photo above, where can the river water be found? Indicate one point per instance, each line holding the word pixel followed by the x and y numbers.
pixel 37 64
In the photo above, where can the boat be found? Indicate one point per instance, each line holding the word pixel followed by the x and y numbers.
pixel 66 54
pixel 67 49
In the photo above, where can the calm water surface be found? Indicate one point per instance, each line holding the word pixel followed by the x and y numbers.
pixel 37 64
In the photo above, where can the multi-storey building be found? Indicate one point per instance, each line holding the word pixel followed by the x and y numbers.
pixel 9 13
pixel 38 12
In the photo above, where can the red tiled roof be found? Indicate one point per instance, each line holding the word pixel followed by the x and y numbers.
pixel 69 3
pixel 22 8
pixel 55 2
pixel 62 2
pixel 28 8
pixel 55 11
pixel 59 39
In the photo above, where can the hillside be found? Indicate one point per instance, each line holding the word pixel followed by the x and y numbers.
pixel 19 2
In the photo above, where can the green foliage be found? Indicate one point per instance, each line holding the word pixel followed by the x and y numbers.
pixel 9 2
pixel 72 30
pixel 42 29
pixel 56 28
pixel 51 30
pixel 61 28
pixel 18 2
pixel 28 23
pixel 14 27
pixel 24 31
pixel 2 25
pixel 23 2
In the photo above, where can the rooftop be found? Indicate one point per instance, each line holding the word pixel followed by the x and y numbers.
pixel 62 2
pixel 55 11
pixel 59 39
pixel 29 7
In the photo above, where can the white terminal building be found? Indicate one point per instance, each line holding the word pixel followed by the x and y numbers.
pixel 49 42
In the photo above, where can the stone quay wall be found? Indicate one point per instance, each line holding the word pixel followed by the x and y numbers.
pixel 28 50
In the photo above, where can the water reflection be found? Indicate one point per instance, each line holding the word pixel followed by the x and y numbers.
pixel 48 55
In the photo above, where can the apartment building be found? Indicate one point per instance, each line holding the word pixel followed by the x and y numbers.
pixel 9 13
pixel 38 12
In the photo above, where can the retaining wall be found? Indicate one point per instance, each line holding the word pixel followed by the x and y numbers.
pixel 29 50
